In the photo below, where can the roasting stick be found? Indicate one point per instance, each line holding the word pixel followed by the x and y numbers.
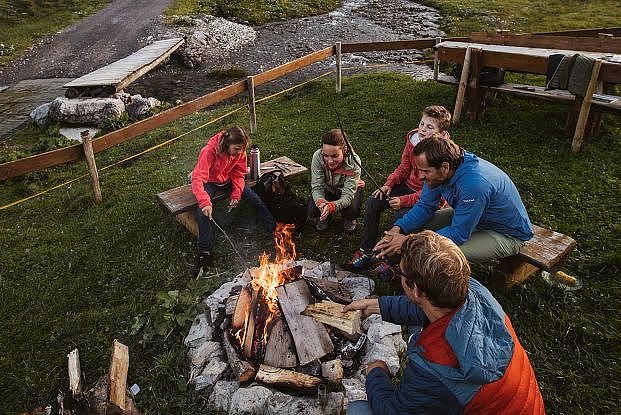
pixel 227 238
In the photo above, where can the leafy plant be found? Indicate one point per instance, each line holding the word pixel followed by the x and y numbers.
pixel 112 124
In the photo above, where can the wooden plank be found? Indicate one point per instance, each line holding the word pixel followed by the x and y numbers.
pixel 117 376
pixel 331 313
pixel 311 338
pixel 280 350
pixel 279 71
pixel 585 108
pixel 615 31
pixel 189 221
pixel 591 44
pixel 288 379
pixel 547 248
pixel 514 270
pixel 394 45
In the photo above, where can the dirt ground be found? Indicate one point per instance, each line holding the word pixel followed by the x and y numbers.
pixel 124 26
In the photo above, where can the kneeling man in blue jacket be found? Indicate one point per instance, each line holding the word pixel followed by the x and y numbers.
pixel 486 217
pixel 466 360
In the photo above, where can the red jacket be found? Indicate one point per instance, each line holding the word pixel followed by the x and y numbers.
pixel 219 168
pixel 407 172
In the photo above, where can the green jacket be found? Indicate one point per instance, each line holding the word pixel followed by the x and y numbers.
pixel 343 180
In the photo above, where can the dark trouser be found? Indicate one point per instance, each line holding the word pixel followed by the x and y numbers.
pixel 205 230
pixel 374 209
pixel 351 212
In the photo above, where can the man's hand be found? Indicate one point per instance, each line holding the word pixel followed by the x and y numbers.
pixel 233 204
pixel 378 192
pixel 378 363
pixel 367 305
pixel 390 244
pixel 395 203
pixel 208 211
pixel 325 211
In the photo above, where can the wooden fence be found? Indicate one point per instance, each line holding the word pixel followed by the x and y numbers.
pixel 77 152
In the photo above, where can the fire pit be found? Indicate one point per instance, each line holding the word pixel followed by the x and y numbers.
pixel 274 339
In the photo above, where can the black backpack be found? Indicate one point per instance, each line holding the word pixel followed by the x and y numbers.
pixel 276 193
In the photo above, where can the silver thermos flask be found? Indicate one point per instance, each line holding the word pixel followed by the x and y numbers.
pixel 255 162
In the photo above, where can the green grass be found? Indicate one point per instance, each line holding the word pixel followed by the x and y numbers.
pixel 25 23
pixel 461 18
pixel 253 12
pixel 76 274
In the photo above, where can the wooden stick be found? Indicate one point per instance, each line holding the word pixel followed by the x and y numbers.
pixel 461 92
pixel 288 379
pixel 337 47
pixel 586 106
pixel 87 144
pixel 311 338
pixel 75 374
pixel 243 370
pixel 117 377
pixel 330 313
pixel 251 105
pixel 436 61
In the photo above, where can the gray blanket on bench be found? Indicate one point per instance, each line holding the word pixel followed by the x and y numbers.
pixel 570 72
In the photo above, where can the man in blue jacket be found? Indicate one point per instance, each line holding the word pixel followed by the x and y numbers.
pixel 466 360
pixel 486 217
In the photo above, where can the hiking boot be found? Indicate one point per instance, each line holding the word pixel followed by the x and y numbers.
pixel 322 225
pixel 203 260
pixel 349 225
pixel 361 260
pixel 384 271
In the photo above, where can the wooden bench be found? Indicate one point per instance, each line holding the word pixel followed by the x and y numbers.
pixel 180 201
pixel 547 251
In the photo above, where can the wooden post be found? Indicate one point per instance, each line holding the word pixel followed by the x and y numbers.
pixel 436 60
pixel 251 105
pixel 75 374
pixel 117 378
pixel 337 47
pixel 584 109
pixel 461 91
pixel 475 97
pixel 87 144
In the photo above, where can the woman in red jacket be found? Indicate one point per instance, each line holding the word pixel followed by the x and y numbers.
pixel 221 168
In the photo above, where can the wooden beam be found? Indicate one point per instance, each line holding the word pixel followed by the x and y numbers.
pixel 588 44
pixel 585 108
pixel 311 338
pixel 331 313
pixel 75 373
pixel 304 61
pixel 615 31
pixel 117 377
pixel 395 45
pixel 289 379
pixel 436 61
pixel 461 91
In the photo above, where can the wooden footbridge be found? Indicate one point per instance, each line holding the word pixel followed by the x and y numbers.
pixel 116 76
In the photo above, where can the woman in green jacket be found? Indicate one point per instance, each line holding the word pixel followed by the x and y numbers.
pixel 335 182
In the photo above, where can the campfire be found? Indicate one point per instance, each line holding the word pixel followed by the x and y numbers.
pixel 288 330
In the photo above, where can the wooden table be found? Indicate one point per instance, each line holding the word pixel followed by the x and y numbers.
pixel 533 60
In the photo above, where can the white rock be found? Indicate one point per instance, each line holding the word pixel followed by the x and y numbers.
pixel 381 351
pixel 75 133
pixel 140 106
pixel 250 401
pixel 39 115
pixel 201 355
pixel 359 286
pixel 201 331
pixel 211 374
pixel 85 111
pixel 221 395
pixel 284 404
pixel 382 329
pixel 334 404
pixel 354 390
pixel 372 319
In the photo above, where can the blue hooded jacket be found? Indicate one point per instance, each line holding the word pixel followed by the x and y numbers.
pixel 480 340
pixel 483 198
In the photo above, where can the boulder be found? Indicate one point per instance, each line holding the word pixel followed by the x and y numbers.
pixel 200 332
pixel 250 401
pixel 140 106
pixel 221 395
pixel 211 374
pixel 39 115
pixel 85 111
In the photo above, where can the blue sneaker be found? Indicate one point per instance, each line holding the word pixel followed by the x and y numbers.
pixel 385 272
pixel 361 260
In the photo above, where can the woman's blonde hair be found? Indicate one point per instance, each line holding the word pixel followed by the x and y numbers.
pixel 234 135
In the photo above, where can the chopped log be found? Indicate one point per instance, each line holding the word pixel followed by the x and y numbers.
pixel 243 370
pixel 331 313
pixel 280 351
pixel 329 290
pixel 289 379
pixel 117 383
pixel 311 338
pixel 75 378
pixel 242 309
pixel 231 305
pixel 249 325
pixel 332 370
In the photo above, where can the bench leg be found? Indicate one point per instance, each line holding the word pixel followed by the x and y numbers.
pixel 188 219
pixel 513 270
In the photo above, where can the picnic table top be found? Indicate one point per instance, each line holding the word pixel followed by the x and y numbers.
pixel 520 50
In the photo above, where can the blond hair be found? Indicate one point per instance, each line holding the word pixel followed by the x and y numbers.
pixel 439 113
pixel 437 266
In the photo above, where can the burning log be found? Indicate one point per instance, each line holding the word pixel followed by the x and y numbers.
pixel 243 370
pixel 329 290
pixel 249 325
pixel 310 337
pixel 330 313
pixel 242 309
pixel 296 381
pixel 280 351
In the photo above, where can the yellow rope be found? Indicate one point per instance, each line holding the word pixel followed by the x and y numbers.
pixel 150 149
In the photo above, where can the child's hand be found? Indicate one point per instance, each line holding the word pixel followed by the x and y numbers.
pixel 207 211
pixel 233 203
pixel 378 192
pixel 327 209
pixel 395 203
